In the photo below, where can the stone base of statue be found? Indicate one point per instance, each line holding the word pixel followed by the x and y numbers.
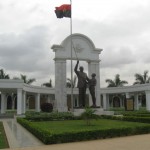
pixel 99 111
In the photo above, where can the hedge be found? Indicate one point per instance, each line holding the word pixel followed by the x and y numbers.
pixel 39 116
pixel 129 118
pixel 49 137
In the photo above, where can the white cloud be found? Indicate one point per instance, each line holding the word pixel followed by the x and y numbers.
pixel 29 28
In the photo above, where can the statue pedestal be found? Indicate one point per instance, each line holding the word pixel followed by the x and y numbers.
pixel 99 111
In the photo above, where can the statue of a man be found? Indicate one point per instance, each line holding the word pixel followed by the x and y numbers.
pixel 92 83
pixel 82 84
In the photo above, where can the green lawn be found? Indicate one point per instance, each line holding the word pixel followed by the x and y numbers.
pixel 79 125
pixel 3 140
pixel 51 132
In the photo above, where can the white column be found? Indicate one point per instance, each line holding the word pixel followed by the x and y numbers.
pixel 147 100
pixel 3 103
pixel 105 101
pixel 136 101
pixel 37 102
pixel 24 102
pixel 19 101
pixel 60 86
pixel 93 67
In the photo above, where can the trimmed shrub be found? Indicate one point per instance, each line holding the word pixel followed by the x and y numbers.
pixel 46 107
pixel 128 118
pixel 52 137
pixel 40 116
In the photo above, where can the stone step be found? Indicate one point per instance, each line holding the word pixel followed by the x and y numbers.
pixel 6 116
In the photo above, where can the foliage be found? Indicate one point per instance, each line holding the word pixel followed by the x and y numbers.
pixel 46 107
pixel 39 116
pixel 136 113
pixel 143 117
pixel 116 82
pixel 24 78
pixel 3 140
pixel 142 79
pixel 3 75
pixel 73 130
pixel 48 84
pixel 88 115
pixel 73 83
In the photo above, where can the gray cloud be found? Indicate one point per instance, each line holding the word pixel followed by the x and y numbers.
pixel 113 57
pixel 26 38
pixel 27 52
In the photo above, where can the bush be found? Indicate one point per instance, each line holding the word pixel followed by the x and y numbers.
pixel 88 115
pixel 142 119
pixel 52 137
pixel 40 116
pixel 47 107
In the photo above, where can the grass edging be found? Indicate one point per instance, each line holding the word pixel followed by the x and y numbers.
pixel 3 138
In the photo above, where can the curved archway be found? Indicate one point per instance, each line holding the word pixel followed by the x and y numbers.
pixel 116 101
pixel 85 50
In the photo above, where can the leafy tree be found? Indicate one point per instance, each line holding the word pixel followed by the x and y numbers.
pixel 24 78
pixel 142 79
pixel 3 75
pixel 48 84
pixel 116 82
pixel 69 82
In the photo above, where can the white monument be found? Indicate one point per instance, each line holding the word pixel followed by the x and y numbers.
pixel 86 51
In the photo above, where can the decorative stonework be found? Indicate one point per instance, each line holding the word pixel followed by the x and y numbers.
pixel 82 48
pixel 81 44
pixel 78 48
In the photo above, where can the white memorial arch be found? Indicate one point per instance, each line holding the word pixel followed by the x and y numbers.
pixel 85 50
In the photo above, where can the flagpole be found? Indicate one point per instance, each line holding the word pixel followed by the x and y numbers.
pixel 71 58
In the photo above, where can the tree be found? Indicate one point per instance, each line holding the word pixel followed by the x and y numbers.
pixel 3 75
pixel 24 78
pixel 68 84
pixel 48 84
pixel 116 82
pixel 142 79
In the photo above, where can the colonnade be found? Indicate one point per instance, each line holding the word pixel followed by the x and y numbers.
pixel 21 102
pixel 105 92
pixel 128 95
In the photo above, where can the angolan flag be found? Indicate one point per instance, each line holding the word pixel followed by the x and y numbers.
pixel 63 11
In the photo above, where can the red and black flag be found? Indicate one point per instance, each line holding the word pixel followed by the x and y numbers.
pixel 63 11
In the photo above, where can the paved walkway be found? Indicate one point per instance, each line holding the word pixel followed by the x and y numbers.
pixel 18 135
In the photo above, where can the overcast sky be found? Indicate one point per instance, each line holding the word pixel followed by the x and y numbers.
pixel 28 28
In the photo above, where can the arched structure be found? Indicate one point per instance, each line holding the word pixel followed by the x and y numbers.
pixel 22 94
pixel 85 49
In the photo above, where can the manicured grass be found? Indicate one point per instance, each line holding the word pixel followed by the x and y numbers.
pixel 3 140
pixel 79 125
pixel 50 132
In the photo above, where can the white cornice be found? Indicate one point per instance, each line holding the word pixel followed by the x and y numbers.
pixel 11 85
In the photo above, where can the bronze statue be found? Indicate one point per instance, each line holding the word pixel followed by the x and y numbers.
pixel 92 83
pixel 82 84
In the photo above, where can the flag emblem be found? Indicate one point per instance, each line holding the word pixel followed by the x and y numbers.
pixel 63 11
